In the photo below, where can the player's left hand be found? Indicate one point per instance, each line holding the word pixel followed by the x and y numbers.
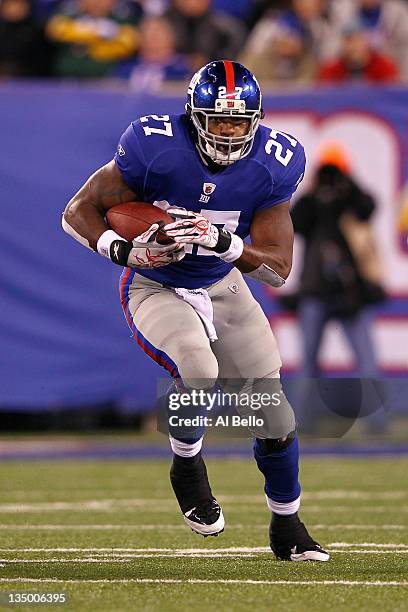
pixel 191 228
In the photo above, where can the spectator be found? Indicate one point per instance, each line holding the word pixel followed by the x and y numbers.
pixel 158 60
pixel 358 61
pixel 386 22
pixel 92 37
pixel 154 8
pixel 24 51
pixel 262 7
pixel 238 8
pixel 341 271
pixel 45 8
pixel 308 20
pixel 203 35
pixel 288 59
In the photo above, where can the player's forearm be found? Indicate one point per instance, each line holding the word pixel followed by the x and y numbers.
pixel 86 221
pixel 85 213
pixel 280 260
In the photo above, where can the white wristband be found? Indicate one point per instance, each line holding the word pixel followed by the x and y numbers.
pixel 105 241
pixel 235 250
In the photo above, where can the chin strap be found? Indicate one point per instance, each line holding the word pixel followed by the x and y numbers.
pixel 267 275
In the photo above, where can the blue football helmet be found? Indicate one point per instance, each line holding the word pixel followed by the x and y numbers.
pixel 218 89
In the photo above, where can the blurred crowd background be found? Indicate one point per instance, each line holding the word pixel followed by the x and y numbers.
pixel 150 43
pixel 74 73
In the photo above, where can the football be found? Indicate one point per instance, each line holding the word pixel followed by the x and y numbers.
pixel 133 218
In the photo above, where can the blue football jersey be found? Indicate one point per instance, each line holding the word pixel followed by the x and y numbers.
pixel 158 159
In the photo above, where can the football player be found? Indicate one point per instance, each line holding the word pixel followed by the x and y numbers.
pixel 222 177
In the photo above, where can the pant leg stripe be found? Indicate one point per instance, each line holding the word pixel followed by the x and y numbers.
pixel 157 355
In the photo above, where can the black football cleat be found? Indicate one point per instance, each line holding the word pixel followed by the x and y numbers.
pixel 201 511
pixel 290 540
pixel 206 519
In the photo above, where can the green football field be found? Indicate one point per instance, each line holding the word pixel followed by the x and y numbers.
pixel 109 534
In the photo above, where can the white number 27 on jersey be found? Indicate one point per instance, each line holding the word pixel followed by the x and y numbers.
pixel 166 130
pixel 273 142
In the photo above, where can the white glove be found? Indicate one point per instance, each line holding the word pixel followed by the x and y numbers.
pixel 155 255
pixel 142 252
pixel 191 228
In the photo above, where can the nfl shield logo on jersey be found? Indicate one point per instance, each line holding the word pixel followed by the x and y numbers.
pixel 208 189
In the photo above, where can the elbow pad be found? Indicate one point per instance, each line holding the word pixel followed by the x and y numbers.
pixel 267 275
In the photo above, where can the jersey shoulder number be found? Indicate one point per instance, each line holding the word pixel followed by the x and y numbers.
pixel 157 124
pixel 282 146
pixel 159 134
pixel 143 140
pixel 285 158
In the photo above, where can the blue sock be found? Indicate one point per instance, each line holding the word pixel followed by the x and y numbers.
pixel 281 471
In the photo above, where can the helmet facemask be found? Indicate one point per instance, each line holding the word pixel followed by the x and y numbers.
pixel 224 150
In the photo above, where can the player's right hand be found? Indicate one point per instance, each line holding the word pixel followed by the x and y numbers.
pixel 145 252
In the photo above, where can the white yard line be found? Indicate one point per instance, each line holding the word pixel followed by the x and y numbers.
pixel 366 545
pixel 158 527
pixel 345 494
pixel 162 505
pixel 123 555
pixel 166 507
pixel 362 526
pixel 127 558
pixel 246 499
pixel 354 508
pixel 357 551
pixel 106 505
pixel 232 549
pixel 109 527
pixel 238 549
pixel 358 583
